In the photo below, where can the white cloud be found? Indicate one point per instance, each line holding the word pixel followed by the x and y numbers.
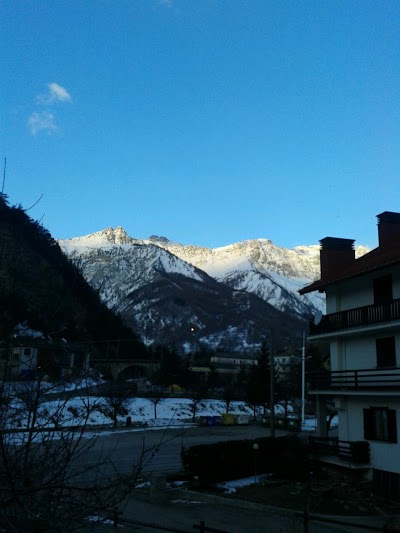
pixel 55 93
pixel 59 93
pixel 165 3
pixel 43 121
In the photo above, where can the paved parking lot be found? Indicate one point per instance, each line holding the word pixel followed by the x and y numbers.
pixel 163 447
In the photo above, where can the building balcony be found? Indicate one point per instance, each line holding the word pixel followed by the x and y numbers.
pixel 355 380
pixel 353 454
pixel 360 317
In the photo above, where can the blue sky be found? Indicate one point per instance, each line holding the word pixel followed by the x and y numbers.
pixel 205 121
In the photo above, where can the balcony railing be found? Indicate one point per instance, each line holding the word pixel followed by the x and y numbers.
pixel 387 378
pixel 355 452
pixel 357 318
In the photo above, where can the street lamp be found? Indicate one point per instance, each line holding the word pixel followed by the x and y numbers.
pixel 271 384
pixel 255 449
pixel 303 376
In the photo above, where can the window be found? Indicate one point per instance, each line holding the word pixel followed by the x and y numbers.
pixel 385 352
pixel 27 351
pixel 383 290
pixel 380 424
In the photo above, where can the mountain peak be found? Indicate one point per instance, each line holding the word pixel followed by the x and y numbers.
pixel 157 239
pixel 106 237
pixel 115 236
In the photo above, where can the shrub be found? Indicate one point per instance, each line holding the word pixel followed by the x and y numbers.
pixel 292 460
pixel 222 461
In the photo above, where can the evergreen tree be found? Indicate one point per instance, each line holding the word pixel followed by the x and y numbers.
pixel 173 369
pixel 40 286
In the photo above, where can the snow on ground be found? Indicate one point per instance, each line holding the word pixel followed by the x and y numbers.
pixel 94 412
pixel 310 424
pixel 142 411
pixel 230 486
pixel 169 411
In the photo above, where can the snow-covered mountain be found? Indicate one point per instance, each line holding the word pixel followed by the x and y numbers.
pixel 229 296
pixel 258 267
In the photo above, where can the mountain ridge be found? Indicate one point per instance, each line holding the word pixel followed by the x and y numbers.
pixel 138 277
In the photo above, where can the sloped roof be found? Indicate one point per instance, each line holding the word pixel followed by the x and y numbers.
pixel 375 260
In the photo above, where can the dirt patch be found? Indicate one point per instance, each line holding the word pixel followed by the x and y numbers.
pixel 319 497
pixel 328 496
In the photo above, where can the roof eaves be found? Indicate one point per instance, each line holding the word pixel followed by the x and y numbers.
pixel 355 270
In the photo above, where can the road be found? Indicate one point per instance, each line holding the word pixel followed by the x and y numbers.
pixel 160 451
pixel 181 512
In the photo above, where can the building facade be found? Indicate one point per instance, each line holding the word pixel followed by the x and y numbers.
pixel 26 358
pixel 286 366
pixel 232 363
pixel 362 325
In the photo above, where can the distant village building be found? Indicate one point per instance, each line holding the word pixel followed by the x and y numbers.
pixel 29 353
pixel 23 362
pixel 225 364
pixel 232 363
pixel 285 365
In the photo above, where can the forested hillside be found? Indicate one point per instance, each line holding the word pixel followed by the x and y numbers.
pixel 39 286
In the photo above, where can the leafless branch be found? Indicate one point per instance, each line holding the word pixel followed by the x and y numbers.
pixel 4 175
pixel 51 471
pixel 33 205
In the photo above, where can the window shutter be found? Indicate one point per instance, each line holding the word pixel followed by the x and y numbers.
pixel 392 425
pixel 368 424
pixel 383 292
pixel 385 352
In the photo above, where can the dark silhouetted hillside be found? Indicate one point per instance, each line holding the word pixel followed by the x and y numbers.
pixel 41 287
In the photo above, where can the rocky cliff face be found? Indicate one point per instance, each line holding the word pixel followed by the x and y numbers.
pixel 230 296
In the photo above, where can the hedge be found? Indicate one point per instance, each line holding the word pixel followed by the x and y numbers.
pixel 223 461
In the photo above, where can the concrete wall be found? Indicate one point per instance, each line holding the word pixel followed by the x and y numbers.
pixel 384 455
pixel 349 294
pixel 352 353
pixel 358 291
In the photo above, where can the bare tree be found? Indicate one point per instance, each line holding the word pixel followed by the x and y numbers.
pixel 52 475
pixel 228 395
pixel 197 394
pixel 155 396
pixel 115 398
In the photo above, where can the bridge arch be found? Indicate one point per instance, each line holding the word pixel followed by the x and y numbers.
pixel 133 372
pixel 127 369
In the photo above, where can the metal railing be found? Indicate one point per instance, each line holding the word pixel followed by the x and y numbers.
pixel 355 452
pixel 369 378
pixel 357 318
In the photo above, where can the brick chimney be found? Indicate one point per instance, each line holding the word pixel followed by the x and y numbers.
pixel 388 228
pixel 335 255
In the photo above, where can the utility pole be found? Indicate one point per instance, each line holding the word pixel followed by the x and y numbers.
pixel 271 385
pixel 303 378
